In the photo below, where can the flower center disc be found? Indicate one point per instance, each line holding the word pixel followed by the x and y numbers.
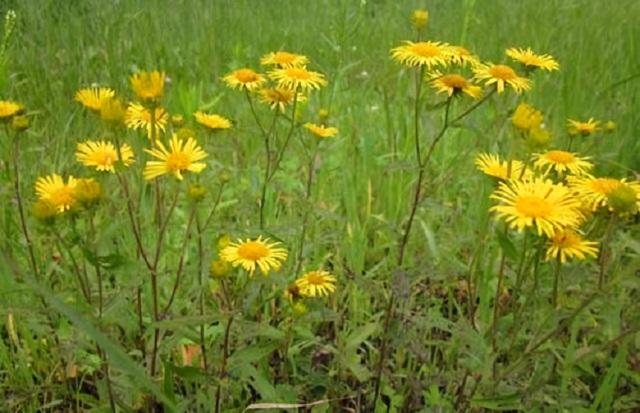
pixel 426 49
pixel 246 75
pixel 502 72
pixel 252 250
pixel 297 73
pixel 560 157
pixel 315 278
pixel 604 185
pixel 533 206
pixel 178 161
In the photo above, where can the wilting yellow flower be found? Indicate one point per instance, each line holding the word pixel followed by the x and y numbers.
pixel 87 191
pixel 526 117
pixel 561 162
pixel 610 126
pixel 103 155
pixel 460 55
pixel 595 191
pixel 53 190
pixel 501 75
pixel 191 355
pixel 181 156
pixel 9 109
pixel 577 127
pixel 625 199
pixel 427 54
pixel 43 210
pixel 453 84
pixel 536 203
pixel 212 121
pixel 298 78
pixel 491 165
pixel 112 110
pixel 419 19
pixel 532 60
pixel 316 283
pixel 251 253
pixel 321 131
pixel 20 123
pixel 291 293
pixel 92 97
pixel 283 59
pixel 567 243
pixel 148 85
pixel 139 117
pixel 244 79
pixel 279 97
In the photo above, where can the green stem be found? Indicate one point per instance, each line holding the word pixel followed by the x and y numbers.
pixel 556 281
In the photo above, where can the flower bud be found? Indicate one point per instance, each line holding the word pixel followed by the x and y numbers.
pixel 196 192
pixel 419 19
pixel 623 199
pixel 88 191
pixel 20 123
pixel 219 269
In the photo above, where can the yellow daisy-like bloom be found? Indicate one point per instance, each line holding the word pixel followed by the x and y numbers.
pixel 501 75
pixel 87 191
pixel 279 97
pixel 148 85
pixel 43 210
pixel 298 78
pixel 427 54
pixel 212 121
pixel 453 84
pixel 283 59
pixel 491 165
pixel 532 60
pixel 179 157
pixel 595 191
pixel 577 127
pixel 321 131
pixel 460 55
pixel 139 117
pixel 103 155
pixel 9 109
pixel 536 203
pixel 625 199
pixel 112 110
pixel 316 284
pixel 93 97
pixel 526 117
pixel 567 243
pixel 259 253
pixel 53 190
pixel 561 162
pixel 244 79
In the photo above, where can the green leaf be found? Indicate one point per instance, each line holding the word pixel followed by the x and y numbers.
pixel 506 245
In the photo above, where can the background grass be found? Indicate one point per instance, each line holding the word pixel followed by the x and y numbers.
pixel 366 175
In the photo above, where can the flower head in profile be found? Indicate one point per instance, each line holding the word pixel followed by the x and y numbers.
pixel 538 204
pixel 461 55
pixel 212 121
pixel 139 117
pixel 566 243
pixel 427 54
pixel 44 211
pixel 283 59
pixel 419 19
pixel 625 199
pixel 595 192
pixel 93 97
pixel 526 117
pixel 501 76
pixel 454 85
pixel 321 131
pixel 562 162
pixel 491 165
pixel 56 192
pixel 112 110
pixel 316 284
pixel 148 85
pixel 298 78
pixel 244 79
pixel 87 192
pixel 279 97
pixel 587 128
pixel 8 109
pixel 530 60
pixel 103 155
pixel 179 157
pixel 257 253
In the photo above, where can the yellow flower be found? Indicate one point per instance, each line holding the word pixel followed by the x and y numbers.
pixel 139 117
pixel 453 84
pixel 561 162
pixel 526 117
pixel 87 191
pixel 112 110
pixel 20 123
pixel 8 109
pixel 251 253
pixel 538 138
pixel 577 127
pixel 595 191
pixel 43 210
pixel 625 199
pixel 460 55
pixel 298 78
pixel 219 269
pixel 148 85
pixel 610 126
pixel 536 203
pixel 491 165
pixel 321 131
pixel 291 293
pixel 103 155
pixel 181 156
pixel 212 121
pixel 419 19
pixel 567 243
pixel 501 75
pixel 316 283
pixel 196 192
pixel 427 54
pixel 53 190
pixel 244 79
pixel 279 97
pixel 93 97
pixel 283 59
pixel 532 60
